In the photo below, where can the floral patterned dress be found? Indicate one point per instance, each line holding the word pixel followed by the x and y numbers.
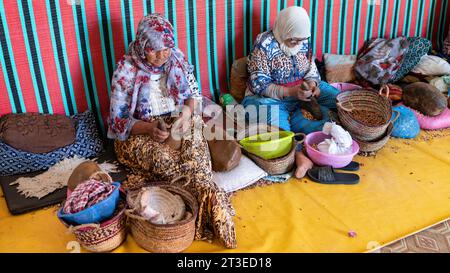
pixel 142 92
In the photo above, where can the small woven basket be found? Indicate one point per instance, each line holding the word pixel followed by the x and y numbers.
pixel 168 238
pixel 367 101
pixel 279 165
pixel 373 146
pixel 103 237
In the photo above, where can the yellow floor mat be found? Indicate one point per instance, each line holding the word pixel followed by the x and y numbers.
pixel 404 189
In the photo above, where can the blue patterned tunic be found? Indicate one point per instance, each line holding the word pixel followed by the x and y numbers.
pixel 268 64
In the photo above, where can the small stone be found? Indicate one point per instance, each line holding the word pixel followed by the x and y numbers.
pixel 352 234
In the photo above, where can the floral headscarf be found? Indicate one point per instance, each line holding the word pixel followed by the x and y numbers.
pixel 156 33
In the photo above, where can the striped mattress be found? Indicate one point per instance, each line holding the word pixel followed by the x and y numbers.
pixel 59 55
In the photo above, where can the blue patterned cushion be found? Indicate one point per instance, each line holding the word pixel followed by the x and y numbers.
pixel 418 47
pixel 87 144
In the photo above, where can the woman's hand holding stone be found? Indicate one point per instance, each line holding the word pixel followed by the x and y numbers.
pixel 159 131
pixel 301 94
pixel 314 88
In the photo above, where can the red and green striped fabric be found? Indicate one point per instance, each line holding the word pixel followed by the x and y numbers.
pixel 58 56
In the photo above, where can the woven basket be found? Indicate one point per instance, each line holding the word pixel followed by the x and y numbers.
pixel 279 165
pixel 103 237
pixel 169 238
pixel 365 100
pixel 373 146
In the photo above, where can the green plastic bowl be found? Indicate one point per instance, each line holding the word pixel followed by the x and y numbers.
pixel 269 145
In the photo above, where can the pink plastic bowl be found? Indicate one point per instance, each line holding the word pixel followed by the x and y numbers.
pixel 323 159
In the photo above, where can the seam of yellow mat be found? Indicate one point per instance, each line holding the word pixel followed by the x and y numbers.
pixel 406 236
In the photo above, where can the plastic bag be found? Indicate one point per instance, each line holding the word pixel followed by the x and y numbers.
pixel 340 141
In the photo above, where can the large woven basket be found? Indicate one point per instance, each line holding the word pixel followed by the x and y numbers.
pixel 279 165
pixel 375 145
pixel 103 237
pixel 368 101
pixel 168 238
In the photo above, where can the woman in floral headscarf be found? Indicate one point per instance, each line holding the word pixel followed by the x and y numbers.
pixel 150 85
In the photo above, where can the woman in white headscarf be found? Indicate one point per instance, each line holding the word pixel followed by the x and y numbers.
pixel 279 63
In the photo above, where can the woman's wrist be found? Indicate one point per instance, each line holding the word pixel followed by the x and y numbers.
pixel 150 125
pixel 292 91
pixel 142 127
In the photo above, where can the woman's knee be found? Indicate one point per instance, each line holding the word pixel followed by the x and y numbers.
pixel 327 95
pixel 267 111
pixel 259 101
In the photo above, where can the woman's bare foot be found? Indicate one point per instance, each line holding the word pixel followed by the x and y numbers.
pixel 303 164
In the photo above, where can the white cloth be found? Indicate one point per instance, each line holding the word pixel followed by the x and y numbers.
pixel 292 22
pixel 432 66
pixel 339 143
pixel 244 175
